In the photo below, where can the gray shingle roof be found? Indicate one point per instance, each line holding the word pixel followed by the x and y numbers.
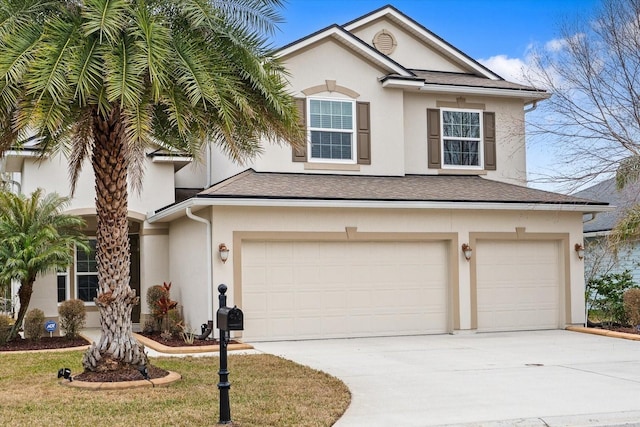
pixel 423 188
pixel 471 80
pixel 607 191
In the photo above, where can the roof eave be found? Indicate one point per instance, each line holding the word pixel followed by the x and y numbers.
pixel 486 91
pixel 172 212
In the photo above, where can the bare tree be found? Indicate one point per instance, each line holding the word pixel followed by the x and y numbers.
pixel 593 73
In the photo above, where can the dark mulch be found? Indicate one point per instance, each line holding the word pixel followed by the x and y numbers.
pixel 177 341
pixel 44 343
pixel 617 327
pixel 48 343
pixel 122 374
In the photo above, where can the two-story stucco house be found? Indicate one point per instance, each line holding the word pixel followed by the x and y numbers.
pixel 414 151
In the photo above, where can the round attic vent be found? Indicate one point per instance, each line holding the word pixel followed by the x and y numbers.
pixel 384 42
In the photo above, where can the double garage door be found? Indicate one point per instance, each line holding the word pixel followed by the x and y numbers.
pixel 311 290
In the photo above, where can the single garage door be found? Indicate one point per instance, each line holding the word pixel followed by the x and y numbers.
pixel 312 290
pixel 519 285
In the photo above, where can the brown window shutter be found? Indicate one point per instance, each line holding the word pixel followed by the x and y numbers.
pixel 299 154
pixel 433 138
pixel 489 128
pixel 364 133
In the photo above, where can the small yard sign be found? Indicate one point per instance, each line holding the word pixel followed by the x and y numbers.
pixel 50 326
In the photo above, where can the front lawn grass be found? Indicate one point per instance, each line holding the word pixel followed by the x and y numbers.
pixel 265 391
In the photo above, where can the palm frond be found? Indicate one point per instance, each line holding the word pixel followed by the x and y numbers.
pixel 153 39
pixel 81 144
pixel 107 18
pixel 124 82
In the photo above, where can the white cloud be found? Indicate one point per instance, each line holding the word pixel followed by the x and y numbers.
pixel 555 45
pixel 511 69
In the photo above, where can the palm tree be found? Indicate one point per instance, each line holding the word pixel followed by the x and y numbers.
pixel 105 79
pixel 35 238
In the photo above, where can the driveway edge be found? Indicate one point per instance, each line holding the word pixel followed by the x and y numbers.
pixel 604 332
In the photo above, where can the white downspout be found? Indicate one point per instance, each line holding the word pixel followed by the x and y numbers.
pixel 533 107
pixel 209 261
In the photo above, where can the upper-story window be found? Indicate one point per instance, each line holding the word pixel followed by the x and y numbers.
pixel 338 131
pixel 331 130
pixel 462 138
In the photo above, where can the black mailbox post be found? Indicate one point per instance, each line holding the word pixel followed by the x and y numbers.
pixel 229 319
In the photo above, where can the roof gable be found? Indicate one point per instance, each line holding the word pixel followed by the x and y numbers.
pixel 420 60
pixel 339 34
pixel 428 38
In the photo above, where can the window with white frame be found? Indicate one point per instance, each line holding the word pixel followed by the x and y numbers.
pixel 331 130
pixel 86 271
pixel 462 138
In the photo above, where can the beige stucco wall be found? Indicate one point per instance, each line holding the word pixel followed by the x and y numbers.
pixel 52 175
pixel 510 141
pixel 398 120
pixel 408 47
pixel 330 60
pixel 188 264
pixel 188 269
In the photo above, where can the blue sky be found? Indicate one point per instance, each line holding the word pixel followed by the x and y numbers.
pixel 497 33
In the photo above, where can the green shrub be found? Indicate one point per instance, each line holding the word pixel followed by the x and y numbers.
pixel 154 295
pixel 173 322
pixel 605 294
pixel 34 324
pixel 631 301
pixel 5 327
pixel 73 315
pixel 163 309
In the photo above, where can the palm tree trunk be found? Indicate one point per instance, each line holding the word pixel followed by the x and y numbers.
pixel 117 346
pixel 24 295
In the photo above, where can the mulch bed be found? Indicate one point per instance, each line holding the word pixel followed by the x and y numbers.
pixel 176 341
pixel 627 330
pixel 49 343
pixel 44 343
pixel 123 374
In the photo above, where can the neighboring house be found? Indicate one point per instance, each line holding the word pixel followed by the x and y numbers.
pixel 599 257
pixel 415 150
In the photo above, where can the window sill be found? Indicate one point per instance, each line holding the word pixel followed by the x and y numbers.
pixel 332 167
pixel 462 172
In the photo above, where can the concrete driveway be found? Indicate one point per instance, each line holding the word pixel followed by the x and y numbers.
pixel 541 378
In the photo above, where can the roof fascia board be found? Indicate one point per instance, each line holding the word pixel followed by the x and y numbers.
pixel 363 48
pixel 603 233
pixel 427 35
pixel 371 204
pixel 22 153
pixel 171 159
pixel 484 91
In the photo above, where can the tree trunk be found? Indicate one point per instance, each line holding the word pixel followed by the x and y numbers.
pixel 117 347
pixel 24 295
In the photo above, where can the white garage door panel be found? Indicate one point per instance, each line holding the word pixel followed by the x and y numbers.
pixel 306 290
pixel 519 285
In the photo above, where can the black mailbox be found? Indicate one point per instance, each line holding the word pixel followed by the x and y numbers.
pixel 230 319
